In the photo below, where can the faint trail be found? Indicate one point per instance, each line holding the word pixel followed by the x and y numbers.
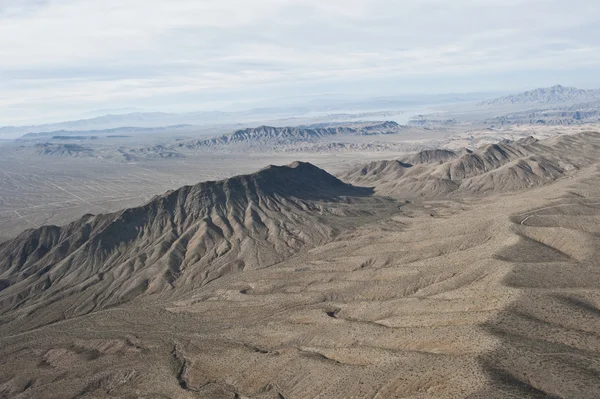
pixel 55 185
pixel 552 207
pixel 37 206
pixel 41 207
pixel 27 220
pixel 59 322
pixel 78 197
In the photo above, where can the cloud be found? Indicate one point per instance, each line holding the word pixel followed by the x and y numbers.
pixel 70 56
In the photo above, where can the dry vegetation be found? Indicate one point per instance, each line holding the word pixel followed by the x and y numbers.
pixel 289 283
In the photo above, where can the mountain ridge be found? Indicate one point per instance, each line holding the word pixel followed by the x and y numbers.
pixel 290 283
pixel 505 166
pixel 588 112
pixel 289 135
pixel 549 95
pixel 183 238
pixel 117 130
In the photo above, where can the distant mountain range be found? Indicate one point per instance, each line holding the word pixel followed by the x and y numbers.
pixel 555 95
pixel 291 135
pixel 289 139
pixel 103 132
pixel 317 111
pixel 556 115
pixel 320 108
pixel 556 105
pixel 135 121
pixel 505 166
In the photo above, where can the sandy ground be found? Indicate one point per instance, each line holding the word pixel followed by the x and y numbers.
pixel 493 296
pixel 490 297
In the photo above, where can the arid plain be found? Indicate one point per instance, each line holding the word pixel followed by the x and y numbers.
pixel 299 199
pixel 475 277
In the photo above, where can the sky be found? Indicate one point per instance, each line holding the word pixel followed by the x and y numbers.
pixel 61 59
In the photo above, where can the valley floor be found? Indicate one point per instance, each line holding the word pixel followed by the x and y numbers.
pixel 481 297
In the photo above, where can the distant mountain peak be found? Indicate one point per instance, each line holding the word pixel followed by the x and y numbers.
pixel 553 95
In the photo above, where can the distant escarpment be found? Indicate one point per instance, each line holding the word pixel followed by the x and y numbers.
pixel 291 135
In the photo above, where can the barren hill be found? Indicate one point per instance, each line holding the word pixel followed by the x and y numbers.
pixel 288 283
pixel 498 167
pixel 430 156
pixel 59 149
pixel 180 240
pixel 155 151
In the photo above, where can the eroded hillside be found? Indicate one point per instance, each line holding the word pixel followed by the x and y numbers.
pixel 342 293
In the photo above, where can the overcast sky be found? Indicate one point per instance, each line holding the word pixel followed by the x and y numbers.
pixel 63 58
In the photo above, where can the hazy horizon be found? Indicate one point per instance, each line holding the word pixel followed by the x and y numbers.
pixel 336 101
pixel 69 58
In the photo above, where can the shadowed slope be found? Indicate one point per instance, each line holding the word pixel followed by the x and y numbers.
pixel 488 297
pixel 550 345
pixel 482 297
pixel 182 239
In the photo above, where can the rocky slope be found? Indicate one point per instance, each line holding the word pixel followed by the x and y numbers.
pixel 498 167
pixel 430 156
pixel 180 240
pixel 482 297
